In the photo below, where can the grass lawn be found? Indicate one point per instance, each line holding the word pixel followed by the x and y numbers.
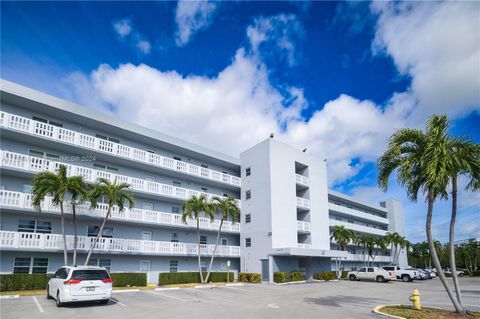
pixel 426 313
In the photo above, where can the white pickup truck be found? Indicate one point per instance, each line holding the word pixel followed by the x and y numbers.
pixel 370 273
pixel 405 274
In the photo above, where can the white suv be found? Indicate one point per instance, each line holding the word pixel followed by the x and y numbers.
pixel 80 283
pixel 371 273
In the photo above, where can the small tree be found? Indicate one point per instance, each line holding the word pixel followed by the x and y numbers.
pixel 342 237
pixel 228 208
pixel 78 191
pixel 115 195
pixel 191 209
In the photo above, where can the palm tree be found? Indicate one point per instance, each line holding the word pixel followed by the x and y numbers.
pixel 465 162
pixel 382 244
pixel 342 237
pixel 395 240
pixel 55 185
pixel 77 188
pixel 421 161
pixel 191 209
pixel 228 208
pixel 115 195
pixel 363 241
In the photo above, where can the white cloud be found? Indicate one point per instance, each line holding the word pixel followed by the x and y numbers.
pixel 191 17
pixel 122 27
pixel 144 46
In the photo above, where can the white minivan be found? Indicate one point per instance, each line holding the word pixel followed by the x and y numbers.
pixel 80 283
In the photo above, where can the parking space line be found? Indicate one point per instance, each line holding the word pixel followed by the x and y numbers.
pixel 116 301
pixel 164 295
pixel 38 304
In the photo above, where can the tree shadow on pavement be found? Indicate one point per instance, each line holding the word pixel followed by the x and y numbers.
pixel 338 301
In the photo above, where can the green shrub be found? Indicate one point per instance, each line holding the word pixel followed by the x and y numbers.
pixel 344 274
pixel 448 274
pixel 122 279
pixel 23 282
pixel 325 275
pixel 296 276
pixel 476 273
pixel 167 278
pixel 280 276
pixel 251 277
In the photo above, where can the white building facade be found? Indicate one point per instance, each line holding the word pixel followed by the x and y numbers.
pixel 286 207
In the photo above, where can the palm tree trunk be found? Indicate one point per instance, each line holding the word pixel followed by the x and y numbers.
pixel 100 231
pixel 74 235
pixel 453 265
pixel 434 256
pixel 214 250
pixel 198 251
pixel 62 221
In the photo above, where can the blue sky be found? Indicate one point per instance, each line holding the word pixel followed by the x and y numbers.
pixel 337 78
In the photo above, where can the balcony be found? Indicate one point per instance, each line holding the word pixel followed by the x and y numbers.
pixel 53 242
pixel 301 180
pixel 303 203
pixel 360 257
pixel 358 228
pixel 36 164
pixel 304 245
pixel 303 227
pixel 23 201
pixel 356 213
pixel 59 134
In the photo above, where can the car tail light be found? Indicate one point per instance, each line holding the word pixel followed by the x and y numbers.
pixel 107 280
pixel 71 281
pixel 391 273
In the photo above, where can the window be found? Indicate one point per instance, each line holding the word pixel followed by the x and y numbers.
pixel 90 274
pixel 107 263
pixel 248 242
pixel 174 237
pixel 248 171
pixel 150 151
pixel 106 138
pixel 32 226
pixel 248 194
pixel 39 119
pixel 104 167
pixel 223 265
pixel 301 263
pixel 148 205
pixel 150 178
pixel 43 155
pixel 177 183
pixel 370 269
pixel 93 231
pixel 363 270
pixel 248 218
pixel 204 265
pixel 177 158
pixel 351 221
pixel 203 240
pixel 224 242
pixel 204 166
pixel 27 265
pixel 203 189
pixel 173 265
pixel 175 209
pixel 62 273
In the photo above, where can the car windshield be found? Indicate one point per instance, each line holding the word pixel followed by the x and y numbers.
pixel 90 274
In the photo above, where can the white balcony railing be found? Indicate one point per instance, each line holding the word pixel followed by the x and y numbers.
pixel 304 245
pixel 302 180
pixel 361 257
pixel 29 126
pixel 356 213
pixel 303 226
pixel 303 203
pixel 54 242
pixel 359 228
pixel 20 200
pixel 37 164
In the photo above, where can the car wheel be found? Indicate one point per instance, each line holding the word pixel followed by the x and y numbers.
pixel 58 302
pixel 104 302
pixel 48 293
pixel 406 278
pixel 460 275
pixel 352 278
pixel 380 279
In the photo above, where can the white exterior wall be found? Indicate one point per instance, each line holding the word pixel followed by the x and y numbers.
pixel 396 224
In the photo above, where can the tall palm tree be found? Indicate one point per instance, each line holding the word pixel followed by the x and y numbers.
pixel 77 189
pixel 228 208
pixel 115 195
pixel 363 241
pixel 342 237
pixel 421 160
pixel 394 240
pixel 382 244
pixel 191 209
pixel 465 162
pixel 55 185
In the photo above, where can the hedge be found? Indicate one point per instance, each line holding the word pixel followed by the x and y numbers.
pixel 296 276
pixel 166 278
pixel 251 277
pixel 23 281
pixel 325 275
pixel 476 273
pixel 122 279
pixel 282 276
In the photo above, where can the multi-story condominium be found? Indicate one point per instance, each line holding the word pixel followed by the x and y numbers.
pixel 286 206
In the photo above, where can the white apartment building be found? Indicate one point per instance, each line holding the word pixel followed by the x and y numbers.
pixel 286 206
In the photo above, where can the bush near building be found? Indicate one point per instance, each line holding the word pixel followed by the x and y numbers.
pixel 251 277
pixel 13 282
pixel 123 279
pixel 325 275
pixel 283 276
pixel 167 278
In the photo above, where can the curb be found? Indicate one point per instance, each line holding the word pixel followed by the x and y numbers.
pixel 172 288
pixel 378 312
pixel 233 285
pixel 10 297
pixel 124 290
pixel 205 286
pixel 290 283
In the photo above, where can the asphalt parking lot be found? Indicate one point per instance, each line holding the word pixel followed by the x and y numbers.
pixel 341 299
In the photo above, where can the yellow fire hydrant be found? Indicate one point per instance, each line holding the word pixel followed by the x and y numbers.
pixel 415 299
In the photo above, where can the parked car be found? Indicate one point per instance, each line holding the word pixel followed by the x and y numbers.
pixel 80 283
pixel 460 273
pixel 408 274
pixel 432 273
pixel 422 274
pixel 371 273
